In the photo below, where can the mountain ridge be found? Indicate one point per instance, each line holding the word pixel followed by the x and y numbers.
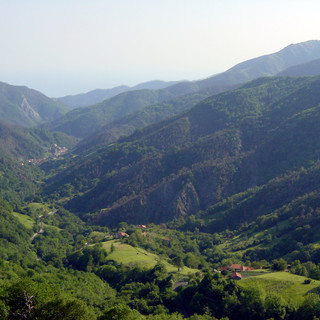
pixel 26 107
pixel 267 65
pixel 98 95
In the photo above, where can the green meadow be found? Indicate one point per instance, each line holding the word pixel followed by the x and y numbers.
pixel 289 286
pixel 25 220
pixel 133 256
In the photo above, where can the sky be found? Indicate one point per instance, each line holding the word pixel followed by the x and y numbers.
pixel 66 47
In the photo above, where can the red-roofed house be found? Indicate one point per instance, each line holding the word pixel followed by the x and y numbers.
pixel 236 267
pixel 236 276
pixel 120 235
pixel 224 268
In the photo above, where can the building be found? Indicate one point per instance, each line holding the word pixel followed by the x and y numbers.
pixel 121 235
pixel 236 276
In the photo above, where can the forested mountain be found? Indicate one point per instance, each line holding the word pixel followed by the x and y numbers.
pixel 85 121
pixel 224 145
pixel 26 107
pixel 98 95
pixel 267 65
pixel 246 71
pixel 23 143
pixel 150 114
pixel 311 68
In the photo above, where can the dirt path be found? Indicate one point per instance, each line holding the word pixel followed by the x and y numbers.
pixel 41 230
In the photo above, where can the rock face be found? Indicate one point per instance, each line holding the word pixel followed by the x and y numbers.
pixel 28 110
pixel 169 200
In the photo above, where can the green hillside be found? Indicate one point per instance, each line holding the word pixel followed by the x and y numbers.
pixel 268 65
pixel 289 286
pixel 83 121
pixel 134 256
pixel 26 107
pixel 140 119
pixel 311 68
pixel 98 95
pixel 34 142
pixel 215 150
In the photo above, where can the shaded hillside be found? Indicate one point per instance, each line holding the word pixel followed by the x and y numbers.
pixel 224 145
pixel 311 68
pixel 98 95
pixel 17 180
pixel 26 107
pixel 150 114
pixel 30 142
pixel 84 121
pixel 278 219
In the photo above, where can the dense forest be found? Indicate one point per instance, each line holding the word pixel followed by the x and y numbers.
pixel 189 201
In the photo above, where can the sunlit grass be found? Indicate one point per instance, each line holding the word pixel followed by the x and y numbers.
pixel 132 256
pixel 289 286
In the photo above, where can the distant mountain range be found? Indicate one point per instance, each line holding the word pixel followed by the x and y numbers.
pixel 27 107
pixel 84 121
pixel 311 68
pixel 114 117
pixel 98 95
pixel 267 65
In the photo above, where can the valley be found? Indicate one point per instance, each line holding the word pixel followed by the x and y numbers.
pixel 133 207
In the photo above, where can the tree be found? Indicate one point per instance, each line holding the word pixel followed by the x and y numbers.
pixel 275 307
pixel 120 312
pixel 178 262
pixel 279 264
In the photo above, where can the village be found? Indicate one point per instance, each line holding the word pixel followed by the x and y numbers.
pixel 54 153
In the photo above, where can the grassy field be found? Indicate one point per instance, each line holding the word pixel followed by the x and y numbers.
pixel 133 256
pixel 25 220
pixel 290 286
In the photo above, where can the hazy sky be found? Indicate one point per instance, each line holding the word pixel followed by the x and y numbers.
pixel 64 47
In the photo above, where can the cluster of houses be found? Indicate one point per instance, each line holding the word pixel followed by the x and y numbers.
pixel 236 268
pixel 56 152
pixel 120 235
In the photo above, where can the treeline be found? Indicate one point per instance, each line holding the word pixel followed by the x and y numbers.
pixel 149 295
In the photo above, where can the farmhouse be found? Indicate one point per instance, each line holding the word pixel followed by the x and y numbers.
pixel 236 276
pixel 121 235
pixel 236 267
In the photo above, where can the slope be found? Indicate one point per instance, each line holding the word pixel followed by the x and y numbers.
pixel 311 68
pixel 98 95
pixel 185 164
pixel 267 65
pixel 26 107
pixel 140 119
pixel 84 121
